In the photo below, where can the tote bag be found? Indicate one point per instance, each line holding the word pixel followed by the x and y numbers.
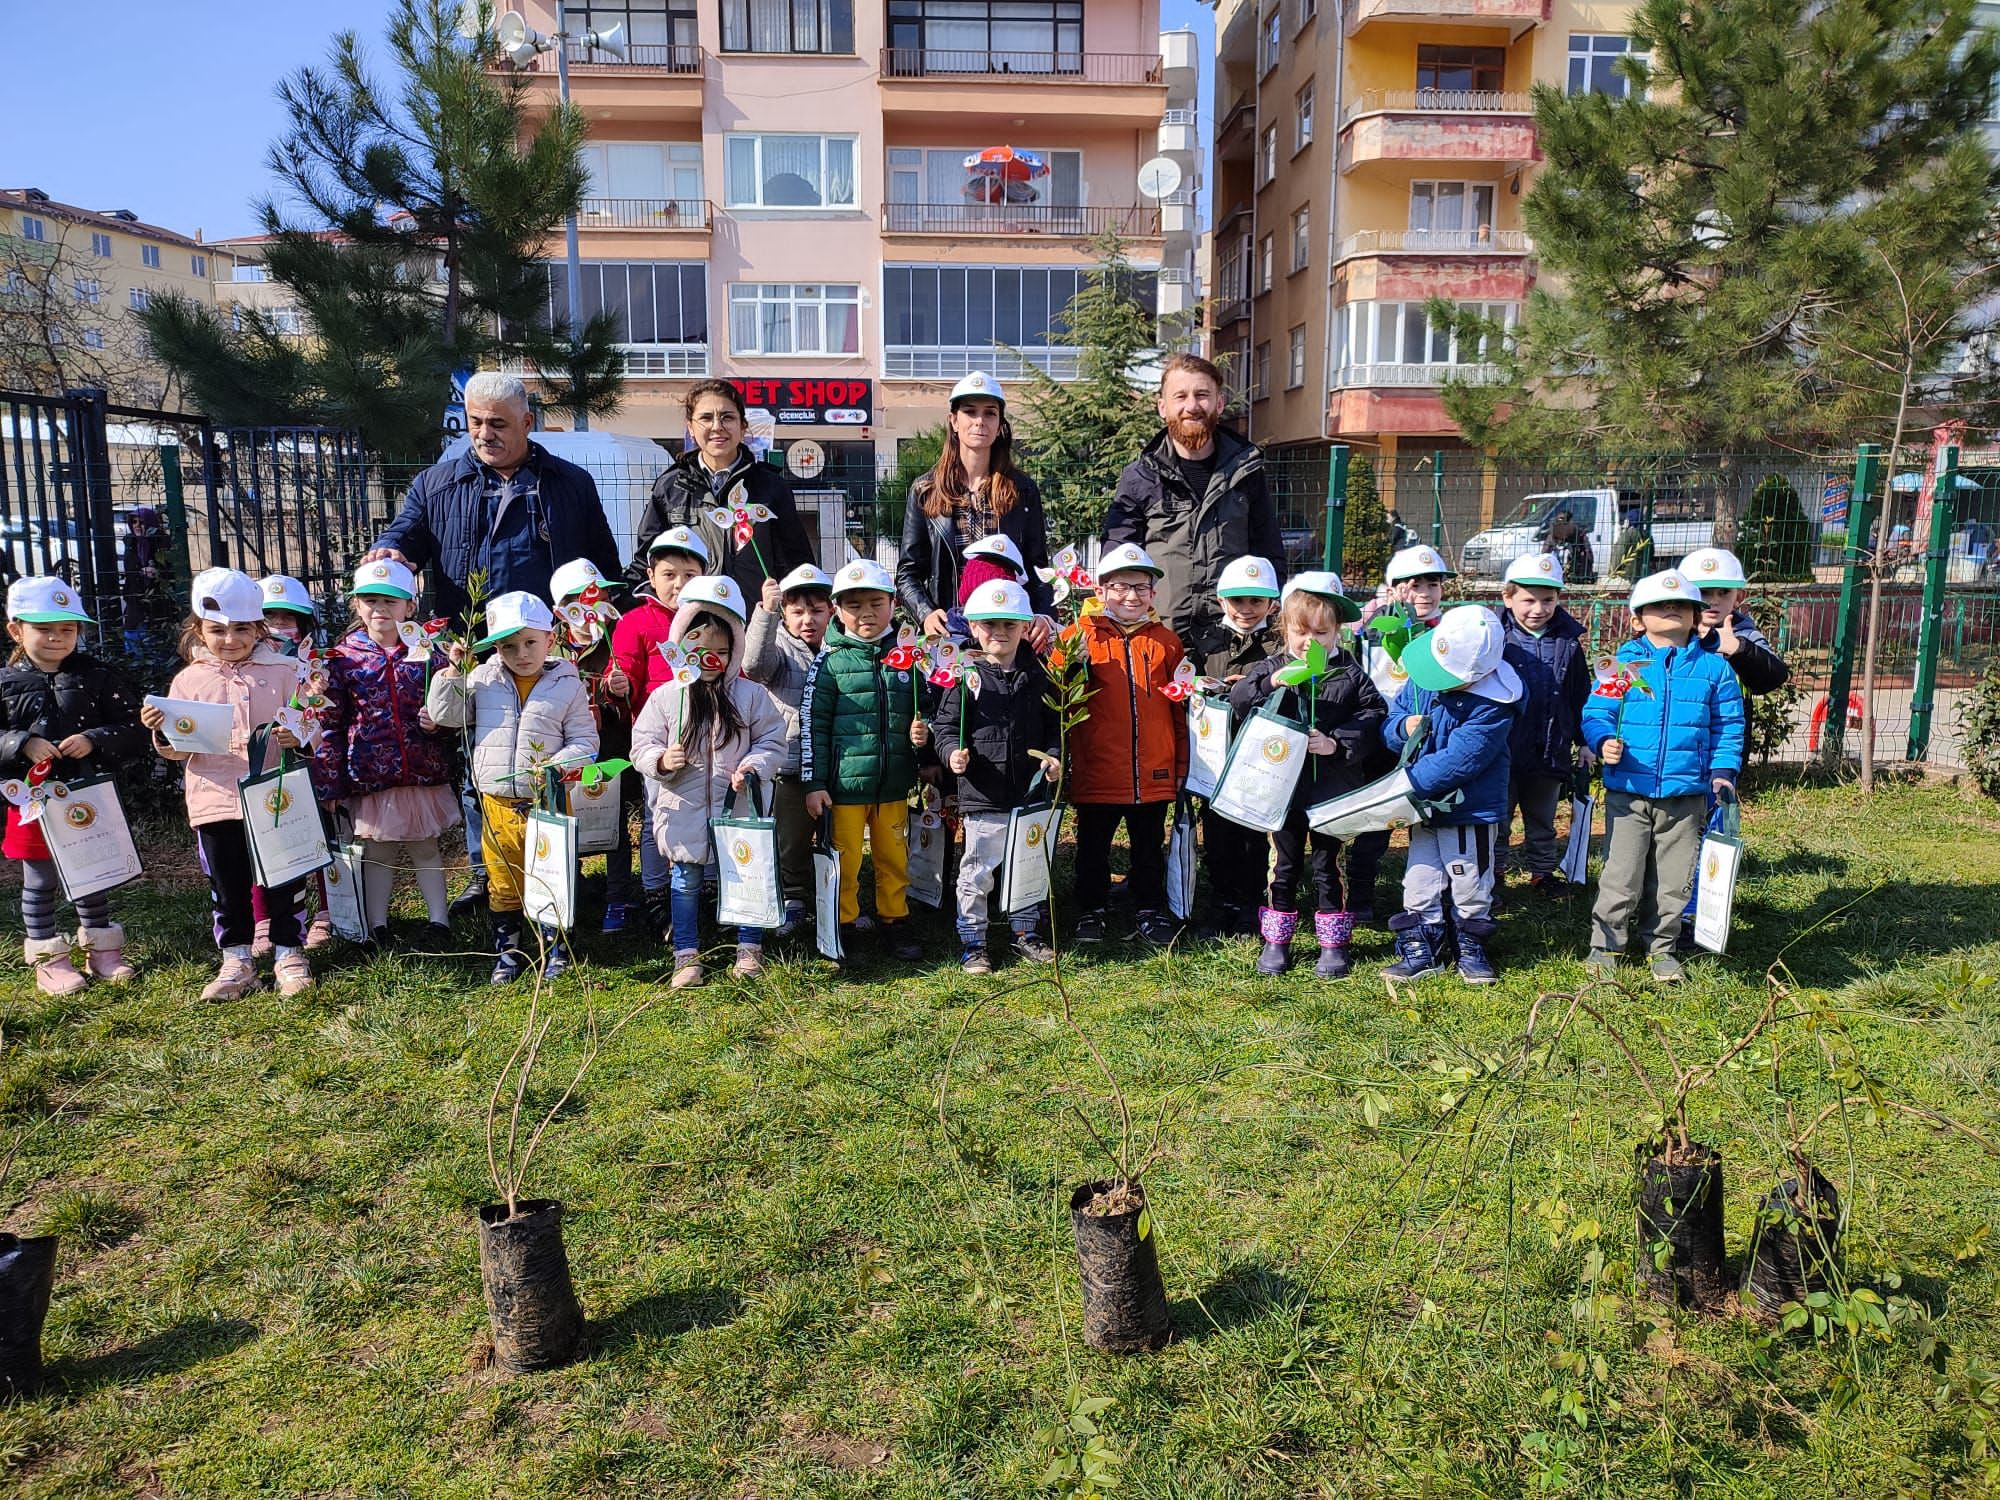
pixel 1031 849
pixel 281 818
pixel 599 811
pixel 88 837
pixel 343 893
pixel 826 890
pixel 1386 802
pixel 1180 862
pixel 1208 744
pixel 746 852
pixel 930 847
pixel 1715 871
pixel 1262 772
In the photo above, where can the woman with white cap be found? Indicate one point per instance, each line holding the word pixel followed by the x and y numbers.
pixel 974 492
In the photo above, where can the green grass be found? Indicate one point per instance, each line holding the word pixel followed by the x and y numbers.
pixel 800 1283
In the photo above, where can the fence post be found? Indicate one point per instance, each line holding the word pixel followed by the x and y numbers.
pixel 97 552
pixel 175 553
pixel 1335 550
pixel 1944 511
pixel 1437 498
pixel 1847 621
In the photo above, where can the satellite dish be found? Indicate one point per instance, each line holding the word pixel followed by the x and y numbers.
pixel 611 39
pixel 518 41
pixel 1159 177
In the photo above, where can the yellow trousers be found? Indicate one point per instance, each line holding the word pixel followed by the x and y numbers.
pixel 503 844
pixel 888 828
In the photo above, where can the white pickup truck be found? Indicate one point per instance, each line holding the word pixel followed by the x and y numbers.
pixel 1589 556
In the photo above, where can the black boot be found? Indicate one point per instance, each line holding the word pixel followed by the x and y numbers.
pixel 510 963
pixel 555 954
pixel 473 896
pixel 1420 947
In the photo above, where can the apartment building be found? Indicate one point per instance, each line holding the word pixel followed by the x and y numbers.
pixel 1370 155
pixel 779 196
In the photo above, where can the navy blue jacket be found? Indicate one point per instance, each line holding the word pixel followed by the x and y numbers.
pixel 1759 669
pixel 1465 750
pixel 1555 679
pixel 1679 736
pixel 448 530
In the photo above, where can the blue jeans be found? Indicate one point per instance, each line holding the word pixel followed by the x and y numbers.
pixel 654 871
pixel 685 909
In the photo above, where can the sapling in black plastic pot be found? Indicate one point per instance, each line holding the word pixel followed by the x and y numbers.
pixel 27 1278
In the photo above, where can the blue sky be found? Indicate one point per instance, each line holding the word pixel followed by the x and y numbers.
pixel 179 106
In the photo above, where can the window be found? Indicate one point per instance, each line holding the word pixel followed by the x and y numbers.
pixel 650 302
pixel 89 290
pixel 15 285
pixel 636 172
pixel 1401 333
pixel 1307 10
pixel 941 320
pixel 139 298
pixel 1461 210
pixel 1301 238
pixel 1295 358
pixel 1302 114
pixel 985 36
pixel 1267 255
pixel 1274 39
pixel 286 320
pixel 788 26
pixel 93 338
pixel 247 273
pixel 1460 70
pixel 658 33
pixel 199 264
pixel 100 246
pixel 786 318
pixel 1592 64
pixel 149 255
pixel 789 171
pixel 33 229
pixel 927 191
pixel 1267 157
pixel 1260 372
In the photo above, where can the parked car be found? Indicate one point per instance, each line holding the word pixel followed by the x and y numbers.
pixel 1598 518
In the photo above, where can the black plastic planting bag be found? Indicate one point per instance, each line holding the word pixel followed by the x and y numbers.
pixel 27 1273
pixel 1681 1204
pixel 1792 1252
pixel 1124 1300
pixel 537 1323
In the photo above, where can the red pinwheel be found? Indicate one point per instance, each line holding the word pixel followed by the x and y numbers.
pixel 1183 685
pixel 904 654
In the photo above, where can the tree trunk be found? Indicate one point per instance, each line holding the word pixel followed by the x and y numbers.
pixel 1869 635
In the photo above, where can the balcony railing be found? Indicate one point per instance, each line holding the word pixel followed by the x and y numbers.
pixel 1049 67
pixel 1019 218
pixel 655 57
pixel 1438 101
pixel 642 362
pixel 1486 241
pixel 949 361
pixel 1229 310
pixel 644 213
pixel 1178 117
pixel 1352 377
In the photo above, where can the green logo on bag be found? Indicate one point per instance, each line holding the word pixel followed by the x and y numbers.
pixel 1034 834
pixel 740 852
pixel 278 803
pixel 82 815
pixel 1713 866
pixel 184 725
pixel 1277 751
pixel 541 846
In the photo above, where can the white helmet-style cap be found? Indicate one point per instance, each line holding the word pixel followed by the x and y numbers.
pixel 1327 585
pixel 1417 562
pixel 680 539
pixel 575 576
pixel 510 614
pixel 45 601
pixel 718 590
pixel 805 576
pixel 863 574
pixel 1713 568
pixel 1670 587
pixel 1538 570
pixel 999 600
pixel 227 596
pixel 385 576
pixel 999 545
pixel 1467 646
pixel 281 591
pixel 1248 578
pixel 1124 558
pixel 978 383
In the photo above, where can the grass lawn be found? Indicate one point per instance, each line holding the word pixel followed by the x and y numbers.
pixel 1400 1264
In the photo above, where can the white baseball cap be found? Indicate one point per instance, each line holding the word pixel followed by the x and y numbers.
pixel 1248 578
pixel 999 545
pixel 805 576
pixel 1130 555
pixel 1416 562
pixel 978 383
pixel 863 573
pixel 718 590
pixel 680 539
pixel 1540 570
pixel 1670 587
pixel 45 601
pixel 999 600
pixel 1467 645
pixel 1326 585
pixel 282 591
pixel 228 597
pixel 575 576
pixel 1713 568
pixel 385 576
pixel 510 614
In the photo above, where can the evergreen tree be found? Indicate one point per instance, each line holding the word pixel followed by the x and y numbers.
pixel 1720 243
pixel 916 456
pixel 1775 542
pixel 1367 542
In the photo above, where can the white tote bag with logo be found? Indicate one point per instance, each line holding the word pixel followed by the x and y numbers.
pixel 548 878
pixel 281 819
pixel 746 854
pixel 1031 851
pixel 1208 744
pixel 599 809
pixel 1262 772
pixel 88 837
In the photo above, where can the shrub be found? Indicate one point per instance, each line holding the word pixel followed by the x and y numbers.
pixel 1774 540
pixel 1770 721
pixel 1366 541
pixel 1979 730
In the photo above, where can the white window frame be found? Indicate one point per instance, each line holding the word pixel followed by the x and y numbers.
pixel 89 291
pixel 100 245
pixel 1361 325
pixel 902 163
pixel 1307 10
pixel 15 285
pixel 734 142
pixel 33 228
pixel 673 159
pixel 1470 190
pixel 1584 46
pixel 1267 263
pixel 138 298
pixel 1267 156
pixel 1301 238
pixel 1272 37
pixel 1302 117
pixel 1260 371
pixel 788 294
pixel 93 338
pixel 199 264
pixel 149 255
pixel 1295 358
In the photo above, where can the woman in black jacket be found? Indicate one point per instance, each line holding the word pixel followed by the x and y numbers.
pixel 974 491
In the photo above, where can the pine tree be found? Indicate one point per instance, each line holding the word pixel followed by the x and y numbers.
pixel 1367 543
pixel 916 456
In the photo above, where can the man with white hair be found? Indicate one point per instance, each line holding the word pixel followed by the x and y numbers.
pixel 506 506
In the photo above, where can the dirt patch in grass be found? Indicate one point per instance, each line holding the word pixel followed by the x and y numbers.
pixel 835 1450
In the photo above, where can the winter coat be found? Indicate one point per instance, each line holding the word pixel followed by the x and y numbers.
pixel 780 662
pixel 448 530
pixel 1132 745
pixel 685 800
pixel 1006 718
pixel 933 552
pixel 370 739
pixel 1680 736
pixel 1555 679
pixel 1222 653
pixel 1385 671
pixel 635 645
pixel 1346 707
pixel 83 695
pixel 1759 669
pixel 256 688
pixel 1193 536
pixel 682 494
pixel 1465 749
pixel 857 713
pixel 613 714
pixel 513 741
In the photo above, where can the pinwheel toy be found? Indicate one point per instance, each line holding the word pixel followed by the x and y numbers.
pixel 908 649
pixel 31 794
pixel 1614 682
pixel 741 518
pixel 1306 672
pixel 1066 572
pixel 681 665
pixel 1183 685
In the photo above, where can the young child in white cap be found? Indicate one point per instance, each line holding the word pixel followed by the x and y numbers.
pixel 1725 626
pixel 288 612
pixel 585 620
pixel 786 630
pixel 1545 647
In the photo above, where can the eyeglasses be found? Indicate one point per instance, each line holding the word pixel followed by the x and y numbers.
pixel 1125 588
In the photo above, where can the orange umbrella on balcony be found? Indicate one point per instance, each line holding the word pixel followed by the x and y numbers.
pixel 1006 163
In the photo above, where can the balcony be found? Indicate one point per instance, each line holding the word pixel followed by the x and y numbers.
pixel 1236 136
pixel 1518 16
pixel 1433 242
pixel 1399 398
pixel 943 86
pixel 1179 133
pixel 641 362
pixel 651 82
pixel 1177 212
pixel 950 361
pixel 1228 310
pixel 1045 220
pixel 1350 377
pixel 663 214
pixel 1434 125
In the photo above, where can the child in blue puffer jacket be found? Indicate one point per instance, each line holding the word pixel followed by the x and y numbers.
pixel 1670 735
pixel 1461 697
pixel 1545 647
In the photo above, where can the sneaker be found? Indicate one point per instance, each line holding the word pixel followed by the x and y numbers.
pixel 1666 969
pixel 1090 927
pixel 260 943
pixel 1601 965
pixel 1155 928
pixel 236 978
pixel 321 932
pixel 437 938
pixel 473 897
pixel 1685 943
pixel 903 945
pixel 508 967
pixel 975 961
pixel 1034 948
pixel 749 960
pixel 614 917
pixel 687 971
pixel 864 923
pixel 293 973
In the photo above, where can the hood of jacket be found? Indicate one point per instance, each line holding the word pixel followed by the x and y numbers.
pixel 684 618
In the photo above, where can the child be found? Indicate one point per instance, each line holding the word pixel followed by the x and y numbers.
pixel 1007 726
pixel 288 612
pixel 1237 859
pixel 698 742
pixel 1726 627
pixel 1461 696
pixel 528 712
pixel 60 703
pixel 1673 739
pixel 674 557
pixel 781 659
pixel 1129 755
pixel 992 558
pixel 858 754
pixel 1343 713
pixel 1413 591
pixel 380 752
pixel 231 660
pixel 1545 649
pixel 588 644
